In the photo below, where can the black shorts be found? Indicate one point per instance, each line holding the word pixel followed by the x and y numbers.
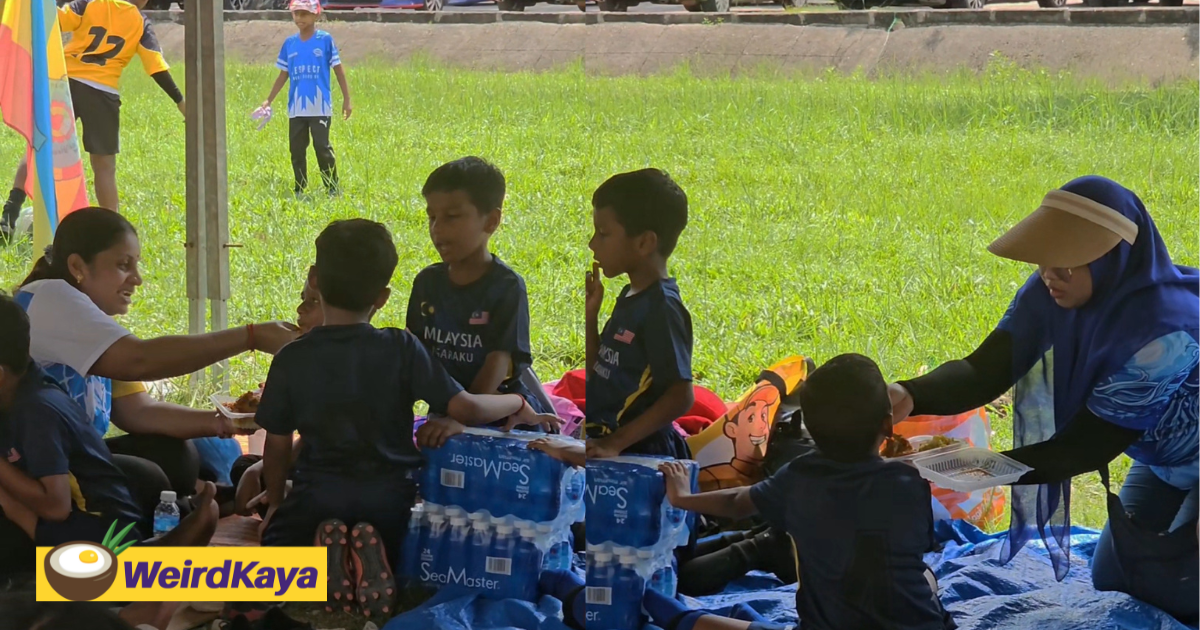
pixel 100 113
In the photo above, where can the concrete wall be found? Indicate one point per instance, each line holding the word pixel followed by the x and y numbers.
pixel 1145 45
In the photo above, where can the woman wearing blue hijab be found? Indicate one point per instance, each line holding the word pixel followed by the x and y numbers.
pixel 1100 350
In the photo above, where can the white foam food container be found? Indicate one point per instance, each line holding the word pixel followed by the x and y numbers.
pixel 969 469
pixel 240 420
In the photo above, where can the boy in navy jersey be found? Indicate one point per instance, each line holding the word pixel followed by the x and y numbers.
pixel 639 368
pixel 860 525
pixel 471 310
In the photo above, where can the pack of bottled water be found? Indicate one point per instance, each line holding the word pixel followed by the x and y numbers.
pixel 627 504
pixel 483 470
pixel 494 515
pixel 617 580
pixel 632 533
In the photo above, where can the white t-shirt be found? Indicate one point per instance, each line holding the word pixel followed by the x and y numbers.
pixel 68 334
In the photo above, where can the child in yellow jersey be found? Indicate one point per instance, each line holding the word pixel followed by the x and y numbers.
pixel 106 34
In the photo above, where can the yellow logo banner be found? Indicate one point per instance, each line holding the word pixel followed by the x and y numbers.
pixel 84 571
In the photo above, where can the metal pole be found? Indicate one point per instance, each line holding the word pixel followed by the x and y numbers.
pixel 216 219
pixel 196 243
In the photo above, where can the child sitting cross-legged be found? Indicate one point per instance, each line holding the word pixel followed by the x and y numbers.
pixel 58 482
pixel 859 525
pixel 348 388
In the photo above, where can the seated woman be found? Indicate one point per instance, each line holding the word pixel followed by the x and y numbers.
pixel 1101 349
pixel 57 479
pixel 88 276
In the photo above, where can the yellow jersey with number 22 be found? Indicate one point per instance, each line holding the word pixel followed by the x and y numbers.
pixel 105 36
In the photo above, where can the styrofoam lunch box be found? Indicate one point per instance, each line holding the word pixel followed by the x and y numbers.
pixel 240 420
pixel 970 469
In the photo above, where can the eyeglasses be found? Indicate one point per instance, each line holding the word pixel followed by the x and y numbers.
pixel 1062 274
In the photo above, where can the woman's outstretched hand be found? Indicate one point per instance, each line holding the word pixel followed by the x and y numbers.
pixel 902 402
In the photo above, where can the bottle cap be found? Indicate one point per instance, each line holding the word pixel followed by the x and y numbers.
pixel 458 521
pixel 504 528
pixel 167 496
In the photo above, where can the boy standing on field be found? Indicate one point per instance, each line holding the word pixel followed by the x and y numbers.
pixel 305 61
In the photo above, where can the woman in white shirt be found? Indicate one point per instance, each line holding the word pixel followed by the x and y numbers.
pixel 88 276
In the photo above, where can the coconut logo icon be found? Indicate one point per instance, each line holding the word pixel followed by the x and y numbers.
pixel 82 570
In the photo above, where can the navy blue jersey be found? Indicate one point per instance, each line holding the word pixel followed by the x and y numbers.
pixel 349 391
pixel 45 434
pixel 461 324
pixel 860 532
pixel 645 347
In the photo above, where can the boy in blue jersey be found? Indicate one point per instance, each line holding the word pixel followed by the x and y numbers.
pixel 58 482
pixel 860 525
pixel 639 368
pixel 305 60
pixel 471 310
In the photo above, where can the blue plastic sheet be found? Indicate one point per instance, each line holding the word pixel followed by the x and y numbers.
pixel 453 609
pixel 983 594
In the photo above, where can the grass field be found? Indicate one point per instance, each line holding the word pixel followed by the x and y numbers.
pixel 833 215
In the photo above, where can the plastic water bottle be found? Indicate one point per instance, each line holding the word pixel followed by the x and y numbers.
pixel 457 547
pixel 552 560
pixel 166 515
pixel 412 542
pixel 599 592
pixel 664 580
pixel 433 561
pixel 628 589
pixel 527 561
pixel 481 542
pixel 500 556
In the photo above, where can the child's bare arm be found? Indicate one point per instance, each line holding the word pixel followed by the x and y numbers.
pixel 732 503
pixel 591 331
pixel 49 497
pixel 341 77
pixel 280 81
pixel 495 369
pixel 569 452
pixel 674 402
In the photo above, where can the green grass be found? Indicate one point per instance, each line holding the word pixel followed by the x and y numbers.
pixel 830 215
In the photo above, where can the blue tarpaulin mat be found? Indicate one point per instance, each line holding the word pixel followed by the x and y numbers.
pixel 458 610
pixel 983 594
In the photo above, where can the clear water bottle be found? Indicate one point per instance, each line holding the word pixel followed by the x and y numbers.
pixel 166 515
pixel 411 559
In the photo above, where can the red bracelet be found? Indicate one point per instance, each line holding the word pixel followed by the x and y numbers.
pixel 523 404
pixel 250 334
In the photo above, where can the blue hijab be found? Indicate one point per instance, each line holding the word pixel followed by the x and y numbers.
pixel 1138 296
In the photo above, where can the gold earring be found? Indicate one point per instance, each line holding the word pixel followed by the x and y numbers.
pixel 78 279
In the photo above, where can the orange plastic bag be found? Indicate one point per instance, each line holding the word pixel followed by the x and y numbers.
pixel 982 508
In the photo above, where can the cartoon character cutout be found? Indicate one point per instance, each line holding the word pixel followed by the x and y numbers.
pixel 749 428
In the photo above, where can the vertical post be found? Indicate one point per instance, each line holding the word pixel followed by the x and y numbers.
pixel 216 218
pixel 196 243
